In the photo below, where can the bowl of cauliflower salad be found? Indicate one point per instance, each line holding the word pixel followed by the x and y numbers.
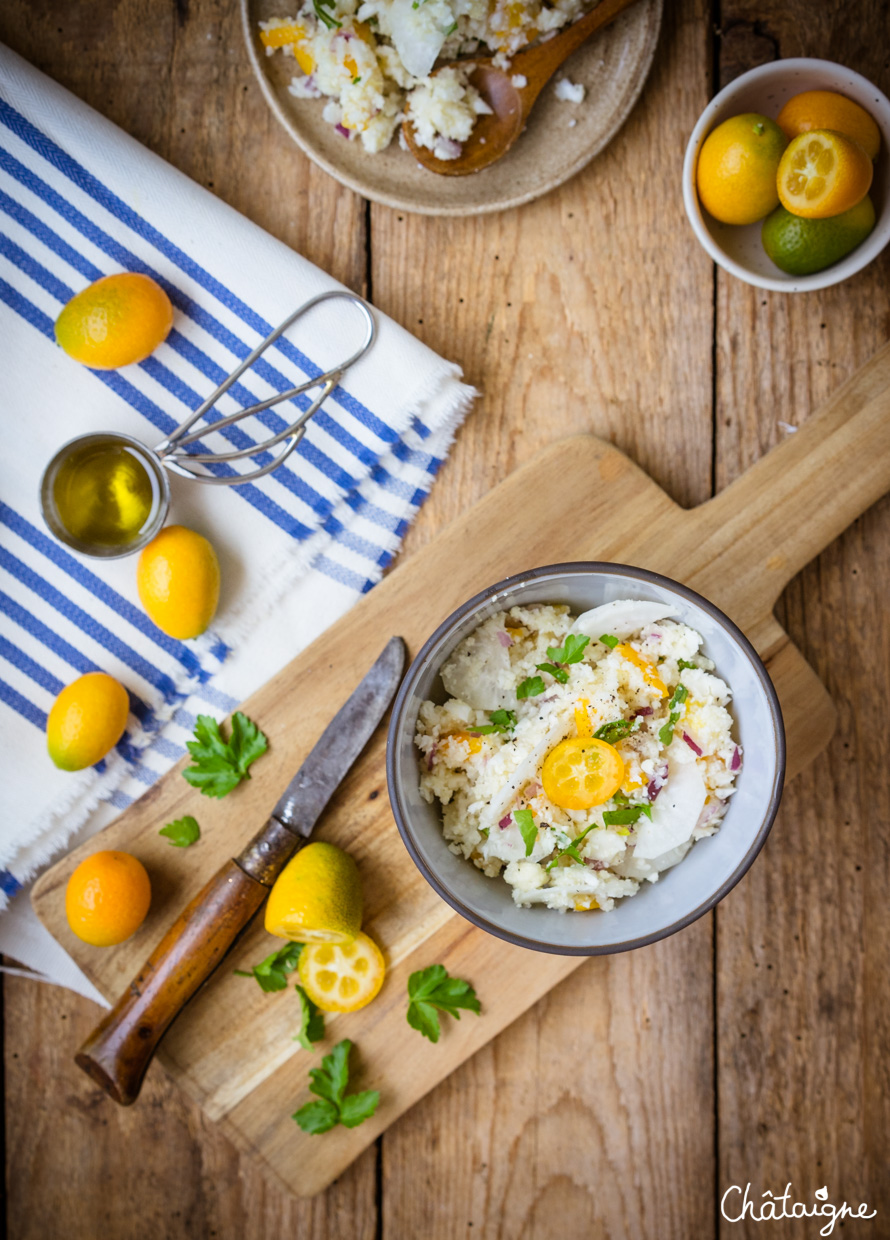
pixel 573 757
pixel 372 60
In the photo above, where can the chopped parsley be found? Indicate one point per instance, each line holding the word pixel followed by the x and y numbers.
pixel 271 973
pixel 530 687
pixel 525 821
pixel 558 673
pixel 570 848
pixel 321 7
pixel 608 640
pixel 501 721
pixel 182 831
pixel 680 695
pixel 627 816
pixel 431 991
pixel 571 652
pixel 451 29
pixel 616 731
pixel 335 1106
pixel 684 663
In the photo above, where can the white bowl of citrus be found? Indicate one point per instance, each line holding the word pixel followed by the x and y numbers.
pixel 786 179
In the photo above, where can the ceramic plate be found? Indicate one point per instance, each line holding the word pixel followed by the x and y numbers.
pixel 613 66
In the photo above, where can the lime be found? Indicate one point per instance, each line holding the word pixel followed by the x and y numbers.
pixel 800 246
pixel 317 897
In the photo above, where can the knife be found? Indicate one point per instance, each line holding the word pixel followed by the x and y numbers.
pixel 119 1050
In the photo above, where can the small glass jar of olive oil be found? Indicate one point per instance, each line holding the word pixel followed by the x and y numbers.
pixel 105 495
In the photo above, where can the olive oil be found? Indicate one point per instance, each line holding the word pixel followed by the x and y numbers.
pixel 103 494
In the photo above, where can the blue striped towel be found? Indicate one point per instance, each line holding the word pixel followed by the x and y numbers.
pixel 79 199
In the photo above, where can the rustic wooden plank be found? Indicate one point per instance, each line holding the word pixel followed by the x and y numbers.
pixel 161 1169
pixel 802 943
pixel 177 78
pixel 570 316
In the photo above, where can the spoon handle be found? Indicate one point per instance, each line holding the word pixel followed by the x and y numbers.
pixel 550 55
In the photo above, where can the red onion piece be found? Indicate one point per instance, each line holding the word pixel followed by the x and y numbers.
pixel 505 639
pixel 595 864
pixel 431 756
pixel 691 743
pixel 657 782
pixel 447 148
pixel 505 821
pixel 342 131
pixel 644 710
pixel 736 759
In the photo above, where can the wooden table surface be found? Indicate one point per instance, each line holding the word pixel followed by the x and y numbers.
pixel 753 1045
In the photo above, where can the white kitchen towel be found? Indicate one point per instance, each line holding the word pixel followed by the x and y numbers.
pixel 80 199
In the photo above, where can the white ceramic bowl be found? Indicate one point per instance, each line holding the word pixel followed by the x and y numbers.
pixel 766 89
pixel 682 894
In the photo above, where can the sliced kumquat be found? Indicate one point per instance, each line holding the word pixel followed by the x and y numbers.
pixel 585 904
pixel 342 977
pixel 465 738
pixel 582 772
pixel 646 666
pixel 823 173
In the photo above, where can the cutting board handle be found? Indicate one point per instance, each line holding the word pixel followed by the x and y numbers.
pixel 798 498
pixel 118 1051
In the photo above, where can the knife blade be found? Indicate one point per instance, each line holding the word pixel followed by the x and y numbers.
pixel 304 799
pixel 117 1053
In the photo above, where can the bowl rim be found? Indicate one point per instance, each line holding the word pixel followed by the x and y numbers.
pixel 837 272
pixel 597 568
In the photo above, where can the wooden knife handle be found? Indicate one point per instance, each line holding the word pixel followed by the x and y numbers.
pixel 118 1051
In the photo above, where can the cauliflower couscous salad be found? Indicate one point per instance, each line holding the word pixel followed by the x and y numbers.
pixel 372 60
pixel 577 758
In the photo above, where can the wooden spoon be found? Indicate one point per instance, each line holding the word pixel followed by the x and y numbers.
pixel 494 134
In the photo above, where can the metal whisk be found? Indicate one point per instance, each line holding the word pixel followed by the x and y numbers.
pixel 170 450
pixel 172 453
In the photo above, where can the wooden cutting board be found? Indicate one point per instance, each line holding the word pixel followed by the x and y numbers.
pixel 232 1048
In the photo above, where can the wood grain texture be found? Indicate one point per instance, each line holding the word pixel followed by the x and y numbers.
pixel 214 1048
pixel 803 1002
pixel 629 358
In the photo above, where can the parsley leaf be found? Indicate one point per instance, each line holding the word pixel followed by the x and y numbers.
pixel 626 817
pixel 684 663
pixel 272 972
pixel 182 831
pixel 329 20
pixel 316 1117
pixel 617 730
pixel 311 1021
pixel 571 652
pixel 356 1108
pixel 571 849
pixel 431 989
pixel 451 29
pixel 558 673
pixel 501 721
pixel 525 821
pixel 530 687
pixel 666 733
pixel 219 765
pixel 608 640
pixel 329 1083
